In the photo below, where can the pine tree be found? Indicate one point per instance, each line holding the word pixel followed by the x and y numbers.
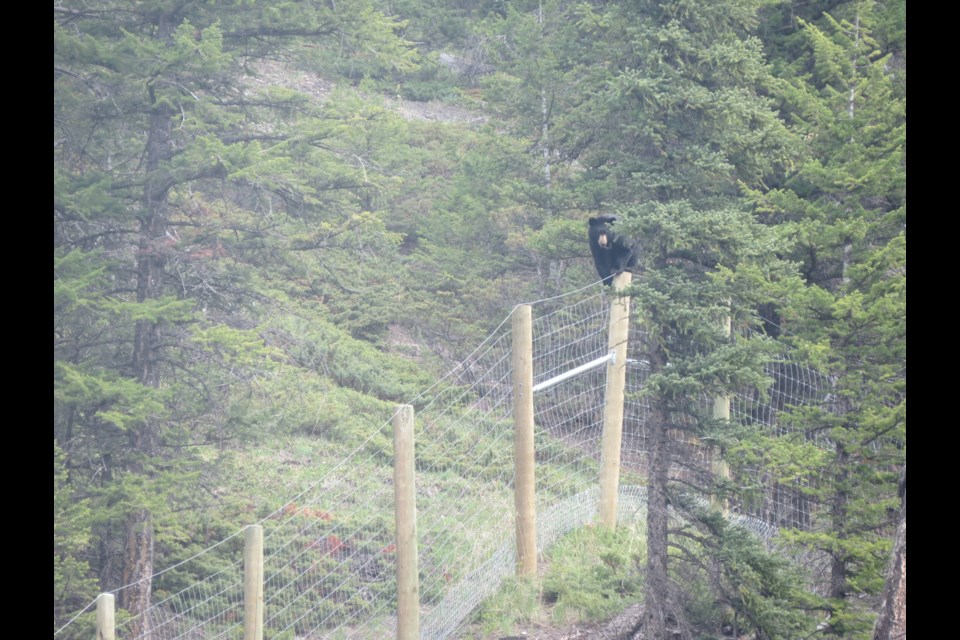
pixel 661 112
pixel 174 176
pixel 845 207
pixel 73 587
pixel 670 125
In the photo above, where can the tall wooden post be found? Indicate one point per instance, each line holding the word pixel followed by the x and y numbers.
pixel 253 582
pixel 721 411
pixel 106 628
pixel 405 507
pixel 524 496
pixel 613 408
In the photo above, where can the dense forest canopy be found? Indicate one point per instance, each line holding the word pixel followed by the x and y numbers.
pixel 278 218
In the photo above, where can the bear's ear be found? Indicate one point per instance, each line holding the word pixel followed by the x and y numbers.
pixel 592 221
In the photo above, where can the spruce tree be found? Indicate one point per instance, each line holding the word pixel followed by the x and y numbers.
pixel 176 175
pixel 667 126
pixel 845 209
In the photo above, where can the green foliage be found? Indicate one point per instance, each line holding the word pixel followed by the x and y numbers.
pixel 441 447
pixel 593 573
pixel 295 256
pixel 517 602
pixel 74 585
pixel 186 189
pixel 320 347
pixel 674 127
pixel 590 574
pixel 752 588
pixel 845 208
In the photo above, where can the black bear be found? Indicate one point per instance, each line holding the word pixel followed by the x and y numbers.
pixel 612 252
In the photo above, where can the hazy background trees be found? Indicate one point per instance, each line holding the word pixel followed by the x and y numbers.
pixel 252 220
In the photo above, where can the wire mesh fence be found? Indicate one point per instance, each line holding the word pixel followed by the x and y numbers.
pixel 329 560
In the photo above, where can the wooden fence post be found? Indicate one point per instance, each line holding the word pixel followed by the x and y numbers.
pixel 405 508
pixel 613 407
pixel 253 582
pixel 106 629
pixel 524 495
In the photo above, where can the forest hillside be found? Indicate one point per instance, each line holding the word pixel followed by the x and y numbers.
pixel 274 221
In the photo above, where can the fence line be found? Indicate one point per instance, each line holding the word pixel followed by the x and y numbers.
pixel 330 553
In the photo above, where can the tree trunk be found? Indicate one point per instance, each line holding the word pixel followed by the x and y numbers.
pixel 138 571
pixel 138 566
pixel 657 598
pixel 545 122
pixel 892 623
pixel 838 562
